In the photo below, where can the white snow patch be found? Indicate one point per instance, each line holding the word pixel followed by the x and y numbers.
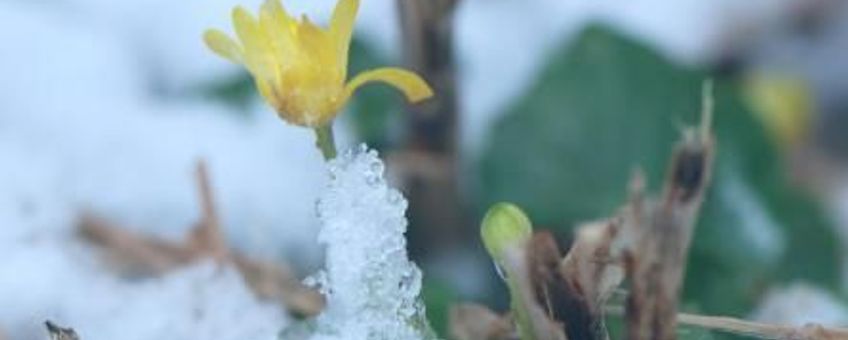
pixel 47 279
pixel 371 286
pixel 799 304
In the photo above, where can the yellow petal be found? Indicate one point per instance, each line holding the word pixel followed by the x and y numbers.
pixel 258 53
pixel 413 87
pixel 317 45
pixel 223 46
pixel 341 26
pixel 281 23
pixel 276 23
pixel 247 28
pixel 277 11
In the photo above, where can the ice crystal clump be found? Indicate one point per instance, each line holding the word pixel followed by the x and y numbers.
pixel 371 286
pixel 798 304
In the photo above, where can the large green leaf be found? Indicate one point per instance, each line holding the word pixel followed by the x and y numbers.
pixel 606 104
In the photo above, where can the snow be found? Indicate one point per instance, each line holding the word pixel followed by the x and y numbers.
pixel 45 279
pixel 799 304
pixel 371 286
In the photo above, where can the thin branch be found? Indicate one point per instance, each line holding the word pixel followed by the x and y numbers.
pixel 206 236
pixel 754 329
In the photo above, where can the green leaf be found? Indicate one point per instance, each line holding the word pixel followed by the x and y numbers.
pixel 606 104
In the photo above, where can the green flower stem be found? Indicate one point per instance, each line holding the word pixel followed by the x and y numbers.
pixel 325 142
pixel 520 309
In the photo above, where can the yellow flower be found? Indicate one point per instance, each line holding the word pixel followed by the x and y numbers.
pixel 784 104
pixel 300 68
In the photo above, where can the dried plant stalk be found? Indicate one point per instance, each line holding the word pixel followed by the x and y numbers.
pixel 763 330
pixel 207 237
pixel 754 329
pixel 659 232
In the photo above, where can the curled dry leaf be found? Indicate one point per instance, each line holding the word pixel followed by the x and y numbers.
pixel 141 255
pixel 593 265
pixel 470 321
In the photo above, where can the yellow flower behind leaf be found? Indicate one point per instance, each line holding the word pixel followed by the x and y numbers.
pixel 784 104
pixel 301 69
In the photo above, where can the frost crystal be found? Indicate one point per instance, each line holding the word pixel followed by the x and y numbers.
pixel 799 304
pixel 372 288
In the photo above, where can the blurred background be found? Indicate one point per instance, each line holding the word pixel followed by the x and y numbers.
pixel 105 106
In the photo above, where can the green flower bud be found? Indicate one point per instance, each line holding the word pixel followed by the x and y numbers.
pixel 504 226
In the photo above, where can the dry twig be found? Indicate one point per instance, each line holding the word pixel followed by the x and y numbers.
pixel 754 329
pixel 763 330
pixel 139 254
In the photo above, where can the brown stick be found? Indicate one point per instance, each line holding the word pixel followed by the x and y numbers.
pixel 754 329
pixel 206 236
pixel 432 128
pixel 763 330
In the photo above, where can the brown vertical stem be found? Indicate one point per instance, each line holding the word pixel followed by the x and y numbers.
pixel 207 235
pixel 662 231
pixel 657 261
pixel 436 207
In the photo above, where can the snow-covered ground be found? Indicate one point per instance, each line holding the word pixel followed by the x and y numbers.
pixel 91 119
